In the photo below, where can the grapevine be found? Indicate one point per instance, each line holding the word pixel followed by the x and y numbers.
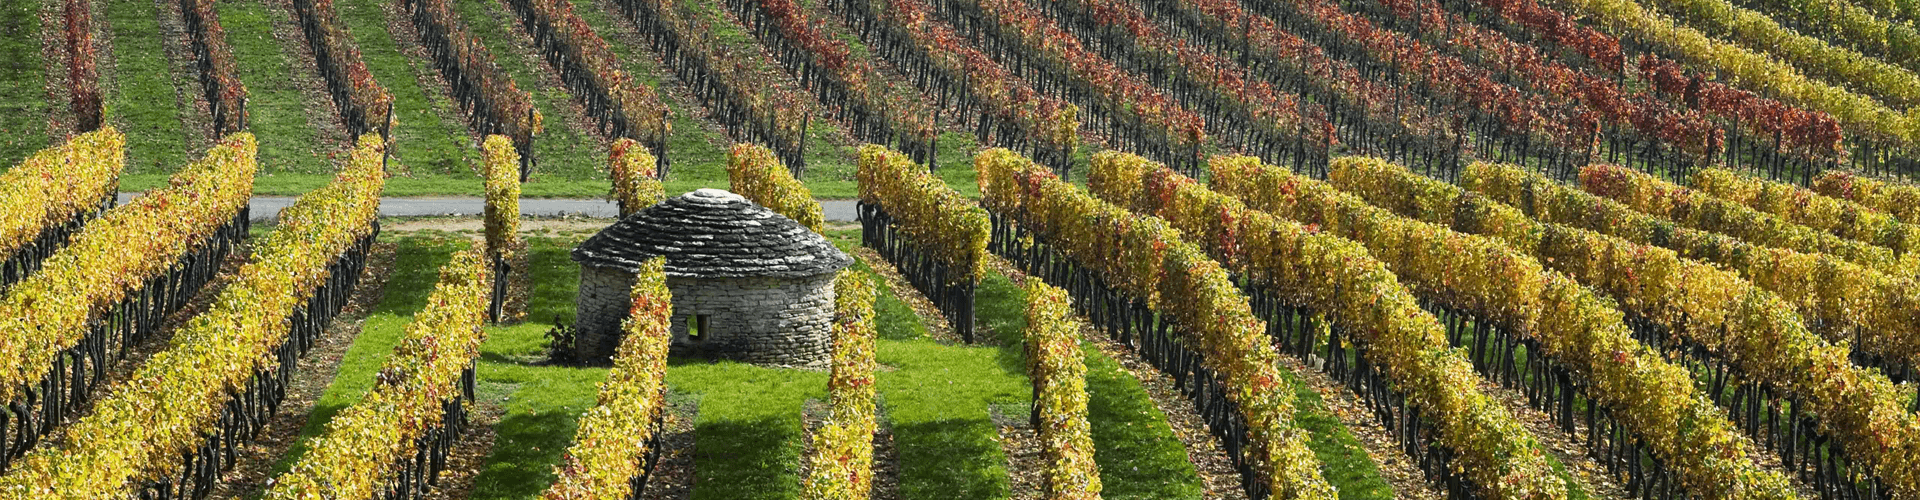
pixel 1851 302
pixel 1246 111
pixel 847 85
pixel 617 437
pixel 51 192
pixel 1900 199
pixel 754 172
pixel 1859 114
pixel 1747 331
pixel 1663 199
pixel 503 196
pixel 1140 116
pixel 635 185
pixel 364 105
pixel 1496 283
pixel 502 222
pixel 494 104
pixel 47 314
pixel 1003 109
pixel 83 73
pixel 1894 85
pixel 1794 128
pixel 1362 109
pixel 938 237
pixel 419 391
pixel 1144 257
pixel 1498 460
pixel 586 64
pixel 841 464
pixel 226 96
pixel 749 100
pixel 1060 395
pixel 128 439
pixel 1802 206
pixel 1657 400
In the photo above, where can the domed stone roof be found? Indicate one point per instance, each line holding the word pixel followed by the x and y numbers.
pixel 712 233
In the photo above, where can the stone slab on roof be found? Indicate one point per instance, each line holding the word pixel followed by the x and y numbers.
pixel 711 233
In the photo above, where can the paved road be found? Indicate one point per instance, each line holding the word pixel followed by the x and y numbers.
pixel 268 207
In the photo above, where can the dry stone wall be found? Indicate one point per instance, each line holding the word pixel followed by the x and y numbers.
pixel 770 321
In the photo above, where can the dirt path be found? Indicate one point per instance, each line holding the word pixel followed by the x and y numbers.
pixel 673 477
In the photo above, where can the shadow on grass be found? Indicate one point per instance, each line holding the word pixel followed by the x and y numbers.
pixel 751 458
pixel 494 358
pixel 954 459
pixel 524 468
pixel 749 431
pixel 1343 461
pixel 1001 308
pixel 556 279
pixel 1139 456
pixel 541 407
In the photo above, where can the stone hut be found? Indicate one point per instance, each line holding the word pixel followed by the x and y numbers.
pixel 747 283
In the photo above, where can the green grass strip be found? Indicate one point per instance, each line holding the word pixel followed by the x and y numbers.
pixel 23 101
pixel 749 434
pixel 425 144
pixel 938 400
pixel 1343 460
pixel 699 155
pixel 276 107
pixel 565 152
pixel 143 99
